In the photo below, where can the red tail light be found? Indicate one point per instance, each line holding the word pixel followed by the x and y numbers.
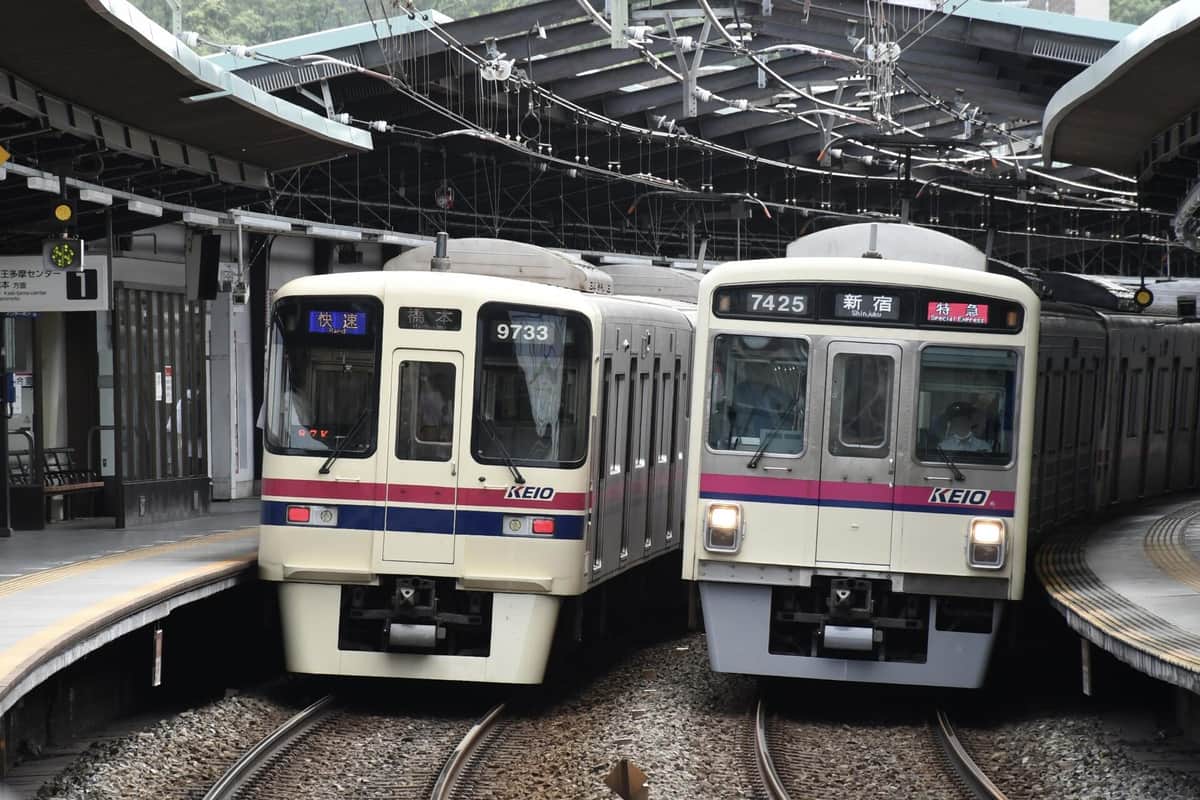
pixel 298 514
pixel 543 526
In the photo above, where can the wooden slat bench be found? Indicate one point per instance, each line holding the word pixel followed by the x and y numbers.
pixel 61 474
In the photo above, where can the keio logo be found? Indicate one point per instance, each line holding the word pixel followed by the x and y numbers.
pixel 959 497
pixel 543 493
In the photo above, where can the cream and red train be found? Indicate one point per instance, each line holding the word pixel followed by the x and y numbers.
pixel 875 438
pixel 453 461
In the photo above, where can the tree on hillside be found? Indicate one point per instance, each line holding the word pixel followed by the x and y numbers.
pixel 255 21
pixel 1136 11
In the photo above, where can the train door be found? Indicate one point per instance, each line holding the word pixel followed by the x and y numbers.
pixel 858 462
pixel 422 456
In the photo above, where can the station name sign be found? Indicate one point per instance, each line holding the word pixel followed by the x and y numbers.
pixel 35 282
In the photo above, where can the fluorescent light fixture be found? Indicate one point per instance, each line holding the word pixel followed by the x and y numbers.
pixel 335 233
pixel 399 238
pixel 256 223
pixel 40 184
pixel 94 196
pixel 142 207
pixel 200 218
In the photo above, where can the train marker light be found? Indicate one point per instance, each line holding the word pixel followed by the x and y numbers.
pixel 299 514
pixel 1143 297
pixel 723 528
pixel 985 543
pixel 543 526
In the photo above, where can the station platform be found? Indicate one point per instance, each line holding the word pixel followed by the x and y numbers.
pixel 1132 587
pixel 69 589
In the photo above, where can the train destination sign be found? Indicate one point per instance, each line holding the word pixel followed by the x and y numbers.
pixel 349 323
pixel 419 318
pixel 957 313
pixel 867 306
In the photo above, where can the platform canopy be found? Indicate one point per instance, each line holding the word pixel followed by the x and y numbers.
pixel 108 57
pixel 1109 114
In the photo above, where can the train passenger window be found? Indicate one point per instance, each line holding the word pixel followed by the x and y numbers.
pixel 532 386
pixel 966 405
pixel 757 394
pixel 323 376
pixel 425 411
pixel 862 403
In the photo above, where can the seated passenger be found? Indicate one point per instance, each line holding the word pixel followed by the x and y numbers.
pixel 960 435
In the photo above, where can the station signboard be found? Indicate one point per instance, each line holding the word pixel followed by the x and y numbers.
pixel 35 283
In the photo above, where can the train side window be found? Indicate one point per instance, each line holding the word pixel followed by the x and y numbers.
pixel 1181 401
pixel 425 414
pixel 966 405
pixel 1135 403
pixel 862 405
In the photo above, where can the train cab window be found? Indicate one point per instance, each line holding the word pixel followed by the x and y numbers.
pixel 966 405
pixel 323 376
pixel 861 411
pixel 425 414
pixel 532 386
pixel 757 394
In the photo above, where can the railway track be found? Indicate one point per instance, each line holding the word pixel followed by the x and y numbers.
pixel 330 750
pixel 815 760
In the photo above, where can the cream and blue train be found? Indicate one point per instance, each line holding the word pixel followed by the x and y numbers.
pixel 874 438
pixel 459 464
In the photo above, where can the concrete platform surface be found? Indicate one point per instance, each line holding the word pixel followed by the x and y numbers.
pixel 69 589
pixel 1132 587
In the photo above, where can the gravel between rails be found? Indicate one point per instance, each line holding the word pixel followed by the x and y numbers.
pixel 826 759
pixel 362 755
pixel 177 758
pixel 661 707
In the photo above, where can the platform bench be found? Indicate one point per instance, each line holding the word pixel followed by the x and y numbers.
pixel 61 474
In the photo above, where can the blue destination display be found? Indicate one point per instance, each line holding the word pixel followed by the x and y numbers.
pixel 352 323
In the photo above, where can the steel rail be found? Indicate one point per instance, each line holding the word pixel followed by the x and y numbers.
pixel 447 779
pixel 977 782
pixel 762 756
pixel 256 757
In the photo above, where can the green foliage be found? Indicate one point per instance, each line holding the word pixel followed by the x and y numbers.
pixel 256 21
pixel 1136 11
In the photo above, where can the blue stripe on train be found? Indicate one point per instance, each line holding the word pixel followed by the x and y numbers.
pixel 423 520
pixel 930 508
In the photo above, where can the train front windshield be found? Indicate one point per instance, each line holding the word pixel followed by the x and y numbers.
pixel 324 376
pixel 531 405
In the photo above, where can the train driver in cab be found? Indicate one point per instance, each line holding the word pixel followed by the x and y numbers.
pixel 960 430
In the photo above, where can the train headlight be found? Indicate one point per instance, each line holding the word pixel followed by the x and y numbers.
pixel 986 543
pixel 723 528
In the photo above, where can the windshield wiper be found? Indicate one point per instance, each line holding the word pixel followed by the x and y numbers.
pixel 508 460
pixel 958 476
pixel 770 437
pixel 337 451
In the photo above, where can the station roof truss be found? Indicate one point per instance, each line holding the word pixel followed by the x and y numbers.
pixel 528 124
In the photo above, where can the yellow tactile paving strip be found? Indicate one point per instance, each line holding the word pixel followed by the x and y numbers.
pixel 1077 591
pixel 1166 545
pixel 28 653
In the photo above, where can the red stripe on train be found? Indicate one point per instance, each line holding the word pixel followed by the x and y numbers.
pixel 415 493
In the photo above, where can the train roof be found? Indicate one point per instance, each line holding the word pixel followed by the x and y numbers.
pixel 652 280
pixel 868 270
pixel 508 259
pixel 889 240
